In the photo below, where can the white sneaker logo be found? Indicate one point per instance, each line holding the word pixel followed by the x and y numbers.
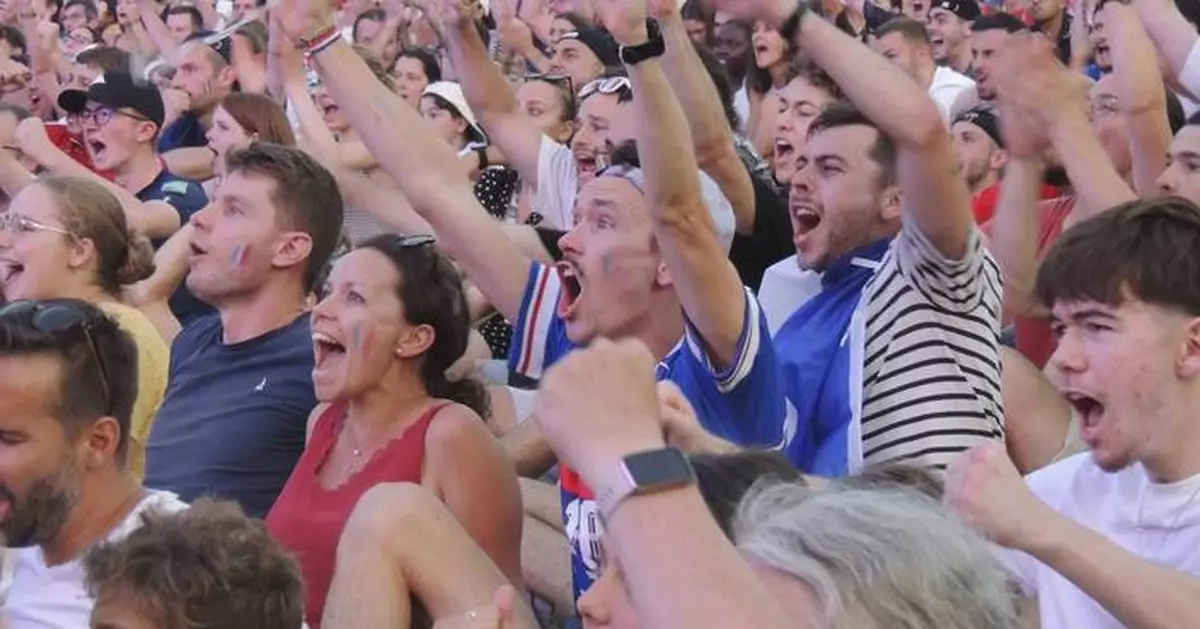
pixel 262 386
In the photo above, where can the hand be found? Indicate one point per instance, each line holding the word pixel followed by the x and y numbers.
pixel 453 12
pixel 175 102
pixel 299 19
pixel 1029 77
pixel 498 615
pixel 985 490
pixel 31 139
pixel 515 34
pixel 624 19
pixel 600 404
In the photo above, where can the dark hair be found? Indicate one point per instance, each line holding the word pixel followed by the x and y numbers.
pixel 624 154
pixel 575 19
pixel 893 475
pixel 803 67
pixel 911 30
pixel 759 79
pixel 106 58
pixel 429 62
pixel 261 115
pixel 1001 21
pixel 431 293
pixel 720 78
pixel 82 399
pixel 695 10
pixel 375 65
pixel 724 479
pixel 188 10
pixel 1148 249
pixel 1176 119
pixel 88 210
pixel 256 33
pixel 204 567
pixel 472 133
pixel 14 37
pixel 566 94
pixel 89 8
pixel 843 114
pixel 306 196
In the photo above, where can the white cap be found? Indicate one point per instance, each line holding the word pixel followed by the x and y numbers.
pixel 452 93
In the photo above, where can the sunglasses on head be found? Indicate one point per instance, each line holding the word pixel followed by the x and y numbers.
pixel 57 318
pixel 415 240
pixel 610 85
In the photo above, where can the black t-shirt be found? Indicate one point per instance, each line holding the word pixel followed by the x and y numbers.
pixel 187 197
pixel 771 240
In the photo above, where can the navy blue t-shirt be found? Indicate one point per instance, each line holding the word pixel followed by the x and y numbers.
pixel 186 131
pixel 187 197
pixel 233 422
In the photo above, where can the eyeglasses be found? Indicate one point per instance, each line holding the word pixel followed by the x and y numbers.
pixel 101 116
pixel 610 85
pixel 19 223
pixel 558 80
pixel 56 318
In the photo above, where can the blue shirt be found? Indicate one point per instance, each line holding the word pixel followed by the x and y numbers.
pixel 233 421
pixel 186 131
pixel 743 403
pixel 187 197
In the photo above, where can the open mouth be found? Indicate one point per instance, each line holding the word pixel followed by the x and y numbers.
pixel 9 271
pixel 98 149
pixel 572 288
pixel 784 151
pixel 587 164
pixel 325 348
pixel 329 109
pixel 805 219
pixel 1090 411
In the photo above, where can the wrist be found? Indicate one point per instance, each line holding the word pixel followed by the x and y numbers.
pixel 603 471
pixel 780 12
pixel 636 35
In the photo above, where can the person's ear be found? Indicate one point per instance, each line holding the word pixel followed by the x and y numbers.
pixel 83 250
pixel 1188 361
pixel 100 442
pixel 294 249
pixel 415 341
pixel 890 202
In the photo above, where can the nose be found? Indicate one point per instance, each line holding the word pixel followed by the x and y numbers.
pixel 591 608
pixel 1166 182
pixel 801 185
pixel 1068 356
pixel 569 242
pixel 200 221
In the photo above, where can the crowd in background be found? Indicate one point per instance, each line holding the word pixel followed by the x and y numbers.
pixel 521 314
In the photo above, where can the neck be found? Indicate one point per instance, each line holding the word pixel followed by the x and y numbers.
pixel 778 74
pixel 398 395
pixel 663 327
pixel 141 169
pixel 986 182
pixel 1054 26
pixel 105 502
pixel 960 60
pixel 1178 457
pixel 89 292
pixel 273 307
pixel 205 117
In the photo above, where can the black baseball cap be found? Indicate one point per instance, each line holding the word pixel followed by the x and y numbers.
pixel 117 90
pixel 967 10
pixel 599 42
pixel 986 120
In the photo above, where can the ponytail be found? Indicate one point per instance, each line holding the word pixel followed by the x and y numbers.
pixel 467 391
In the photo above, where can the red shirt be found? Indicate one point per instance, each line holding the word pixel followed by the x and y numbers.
pixel 984 203
pixel 308 519
pixel 1034 338
pixel 60 135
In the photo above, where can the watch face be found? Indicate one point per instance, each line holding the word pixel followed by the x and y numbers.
pixel 668 466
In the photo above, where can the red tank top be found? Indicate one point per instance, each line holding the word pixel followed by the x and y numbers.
pixel 308 519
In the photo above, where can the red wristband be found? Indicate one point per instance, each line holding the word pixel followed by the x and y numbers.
pixel 318 40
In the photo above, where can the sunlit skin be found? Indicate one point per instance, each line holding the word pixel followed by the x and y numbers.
pixel 984 46
pixel 225 134
pixel 1125 369
pixel 574 59
pixel 603 122
pixel 1182 176
pixel 800 102
pixel 836 203
pixel 1108 123
pixel 950 38
pixel 978 156
pixel 769 47
pixel 42 262
pixel 542 103
pixel 410 78
pixel 611 267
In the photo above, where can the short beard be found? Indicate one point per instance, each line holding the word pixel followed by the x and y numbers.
pixel 47 504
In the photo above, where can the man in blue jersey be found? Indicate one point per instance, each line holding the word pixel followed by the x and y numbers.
pixel 894 356
pixel 643 260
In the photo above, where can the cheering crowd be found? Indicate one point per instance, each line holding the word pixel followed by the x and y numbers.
pixel 532 314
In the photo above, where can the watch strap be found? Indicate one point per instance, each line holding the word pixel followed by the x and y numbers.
pixel 669 468
pixel 654 46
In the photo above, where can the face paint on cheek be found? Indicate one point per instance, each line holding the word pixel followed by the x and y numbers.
pixel 237 255
pixel 607 264
pixel 357 337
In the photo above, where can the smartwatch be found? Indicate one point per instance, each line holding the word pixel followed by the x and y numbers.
pixel 645 473
pixel 653 47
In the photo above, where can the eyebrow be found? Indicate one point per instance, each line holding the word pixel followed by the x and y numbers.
pixel 828 158
pixel 1084 314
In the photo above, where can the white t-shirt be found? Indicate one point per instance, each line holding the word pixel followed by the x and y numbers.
pixel 557 182
pixel 52 597
pixel 741 104
pixel 1159 523
pixel 947 85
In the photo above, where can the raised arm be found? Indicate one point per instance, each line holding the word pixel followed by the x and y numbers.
pixel 935 196
pixel 421 163
pixel 712 137
pixel 491 97
pixel 709 288
pixel 1174 38
pixel 1141 95
pixel 154 219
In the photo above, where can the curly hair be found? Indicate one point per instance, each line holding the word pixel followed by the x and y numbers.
pixel 207 567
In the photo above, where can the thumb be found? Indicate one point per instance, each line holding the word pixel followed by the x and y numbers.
pixel 504 599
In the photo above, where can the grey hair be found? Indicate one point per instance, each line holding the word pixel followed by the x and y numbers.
pixel 877 559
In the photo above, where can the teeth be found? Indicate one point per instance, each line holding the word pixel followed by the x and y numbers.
pixel 319 337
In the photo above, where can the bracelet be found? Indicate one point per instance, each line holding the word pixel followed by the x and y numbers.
pixel 791 28
pixel 321 44
pixel 316 37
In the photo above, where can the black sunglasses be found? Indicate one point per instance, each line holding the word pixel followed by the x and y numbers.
pixel 55 318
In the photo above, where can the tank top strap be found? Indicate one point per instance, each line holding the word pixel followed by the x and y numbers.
pixel 422 426
pixel 324 434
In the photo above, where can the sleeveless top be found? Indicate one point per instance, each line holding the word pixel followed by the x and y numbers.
pixel 308 519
